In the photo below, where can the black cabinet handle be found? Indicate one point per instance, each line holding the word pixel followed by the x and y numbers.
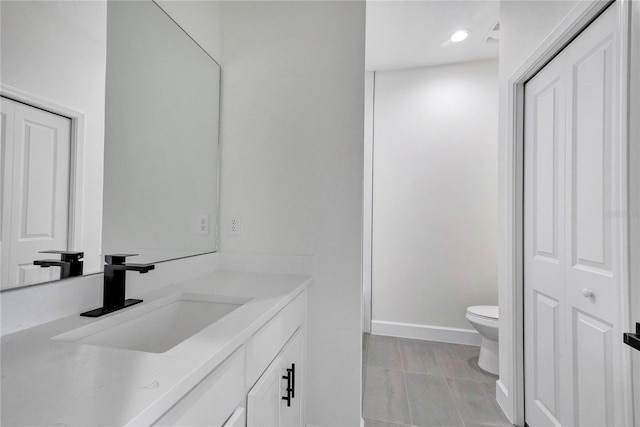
pixel 289 389
pixel 633 340
pixel 293 379
pixel 291 384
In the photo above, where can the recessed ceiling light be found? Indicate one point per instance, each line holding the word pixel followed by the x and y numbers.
pixel 458 36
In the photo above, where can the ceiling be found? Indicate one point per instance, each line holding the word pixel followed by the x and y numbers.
pixel 415 33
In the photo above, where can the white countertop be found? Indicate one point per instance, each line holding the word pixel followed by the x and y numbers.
pixel 52 382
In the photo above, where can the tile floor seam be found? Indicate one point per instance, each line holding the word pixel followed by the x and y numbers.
pixel 424 373
pixel 464 379
pixel 400 353
pixel 383 367
pixel 455 402
pixel 440 361
pixel 404 381
pixel 406 392
pixel 388 421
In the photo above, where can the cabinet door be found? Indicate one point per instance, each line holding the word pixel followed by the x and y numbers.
pixel 291 416
pixel 265 403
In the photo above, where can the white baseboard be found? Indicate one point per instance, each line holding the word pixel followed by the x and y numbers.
pixel 426 332
pixel 502 397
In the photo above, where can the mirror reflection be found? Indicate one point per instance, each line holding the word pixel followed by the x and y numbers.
pixel 161 137
pixel 93 85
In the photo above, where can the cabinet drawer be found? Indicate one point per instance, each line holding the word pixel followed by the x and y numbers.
pixel 212 400
pixel 265 344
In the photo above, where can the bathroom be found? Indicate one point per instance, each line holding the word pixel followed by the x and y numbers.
pixel 432 110
pixel 286 218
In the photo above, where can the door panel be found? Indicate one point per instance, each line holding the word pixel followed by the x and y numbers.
pixel 546 329
pixel 591 158
pixel 593 344
pixel 546 174
pixel 38 162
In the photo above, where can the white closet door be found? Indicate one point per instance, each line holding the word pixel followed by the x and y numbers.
pixel 573 269
pixel 593 274
pixel 35 191
pixel 544 251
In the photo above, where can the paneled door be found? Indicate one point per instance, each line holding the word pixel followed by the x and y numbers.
pixel 573 254
pixel 35 177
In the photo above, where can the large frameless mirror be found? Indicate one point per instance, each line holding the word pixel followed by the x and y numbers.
pixel 109 129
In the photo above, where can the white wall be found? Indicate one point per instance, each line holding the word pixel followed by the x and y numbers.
pixel 292 132
pixel 201 19
pixel 523 27
pixel 56 50
pixel 435 193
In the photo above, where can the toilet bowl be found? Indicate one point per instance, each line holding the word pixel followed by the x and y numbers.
pixel 484 319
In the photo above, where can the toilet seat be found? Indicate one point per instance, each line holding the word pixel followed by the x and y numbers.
pixel 484 318
pixel 484 311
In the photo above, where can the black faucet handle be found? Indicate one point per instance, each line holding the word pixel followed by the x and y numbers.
pixel 140 268
pixel 69 263
pixel 66 256
pixel 117 259
pixel 50 263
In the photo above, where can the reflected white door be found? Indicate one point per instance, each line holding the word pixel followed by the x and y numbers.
pixel 35 190
pixel 573 260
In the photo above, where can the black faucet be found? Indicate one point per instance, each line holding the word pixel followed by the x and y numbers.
pixel 69 263
pixel 115 273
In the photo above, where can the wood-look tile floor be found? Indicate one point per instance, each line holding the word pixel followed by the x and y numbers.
pixel 424 383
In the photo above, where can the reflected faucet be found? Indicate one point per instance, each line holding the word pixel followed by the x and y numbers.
pixel 113 294
pixel 69 263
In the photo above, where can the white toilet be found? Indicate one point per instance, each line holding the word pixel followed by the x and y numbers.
pixel 485 319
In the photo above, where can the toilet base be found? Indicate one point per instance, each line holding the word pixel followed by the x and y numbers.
pixel 488 360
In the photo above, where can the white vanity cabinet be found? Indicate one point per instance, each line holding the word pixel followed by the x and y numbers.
pixel 247 388
pixel 216 376
pixel 276 399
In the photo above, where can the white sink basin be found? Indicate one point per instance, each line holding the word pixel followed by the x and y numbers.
pixel 158 326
